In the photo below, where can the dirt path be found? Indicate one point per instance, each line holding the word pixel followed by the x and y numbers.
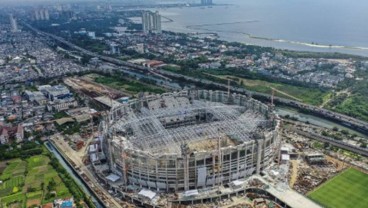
pixel 294 172
pixel 288 95
pixel 226 77
pixel 337 94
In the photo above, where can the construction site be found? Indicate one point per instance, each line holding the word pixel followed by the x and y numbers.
pixel 187 148
pixel 312 163
pixel 85 86
pixel 201 148
pixel 190 140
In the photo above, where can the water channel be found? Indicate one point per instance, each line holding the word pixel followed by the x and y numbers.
pixel 315 120
pixel 76 178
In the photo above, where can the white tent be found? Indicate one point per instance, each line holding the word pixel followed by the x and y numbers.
pixel 147 193
pixel 191 193
pixel 113 177
pixel 237 183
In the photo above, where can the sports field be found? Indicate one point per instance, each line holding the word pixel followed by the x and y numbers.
pixel 346 190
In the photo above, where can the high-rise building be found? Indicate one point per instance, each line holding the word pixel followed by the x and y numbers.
pixel 206 2
pixel 151 22
pixel 13 23
pixel 146 22
pixel 157 22
pixel 41 14
pixel 114 48
pixel 36 15
pixel 46 14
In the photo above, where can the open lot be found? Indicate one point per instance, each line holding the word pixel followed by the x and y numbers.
pixel 302 94
pixel 348 189
pixel 26 183
pixel 127 85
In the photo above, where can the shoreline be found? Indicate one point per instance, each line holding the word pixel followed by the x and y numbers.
pixel 262 41
pixel 251 36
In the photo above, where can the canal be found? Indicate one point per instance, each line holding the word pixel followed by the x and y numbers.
pixel 76 178
pixel 315 120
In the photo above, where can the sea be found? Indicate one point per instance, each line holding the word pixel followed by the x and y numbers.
pixel 302 25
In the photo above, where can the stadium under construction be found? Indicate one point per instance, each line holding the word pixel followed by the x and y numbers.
pixel 189 140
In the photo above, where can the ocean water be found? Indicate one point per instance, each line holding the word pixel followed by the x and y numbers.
pixel 305 25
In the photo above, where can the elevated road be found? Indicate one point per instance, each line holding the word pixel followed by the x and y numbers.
pixel 333 142
pixel 127 65
pixel 359 125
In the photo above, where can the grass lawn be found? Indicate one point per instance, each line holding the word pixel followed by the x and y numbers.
pixel 127 85
pixel 348 189
pixel 355 106
pixel 302 94
pixel 24 188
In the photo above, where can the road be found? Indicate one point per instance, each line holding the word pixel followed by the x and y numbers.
pixel 93 54
pixel 337 143
pixel 346 120
pixel 359 125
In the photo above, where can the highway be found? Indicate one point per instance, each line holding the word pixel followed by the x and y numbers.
pixel 343 119
pixel 359 125
pixel 119 62
pixel 333 142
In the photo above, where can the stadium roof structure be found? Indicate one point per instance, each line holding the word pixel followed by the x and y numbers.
pixel 166 124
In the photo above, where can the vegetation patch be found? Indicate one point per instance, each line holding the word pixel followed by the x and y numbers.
pixel 32 181
pixel 354 106
pixel 311 96
pixel 127 85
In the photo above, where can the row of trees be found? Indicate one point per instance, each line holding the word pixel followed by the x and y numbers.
pixel 69 182
pixel 24 151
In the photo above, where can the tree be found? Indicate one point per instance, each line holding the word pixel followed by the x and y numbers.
pixel 363 145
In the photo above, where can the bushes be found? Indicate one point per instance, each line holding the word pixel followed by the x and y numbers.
pixel 70 183
pixel 27 150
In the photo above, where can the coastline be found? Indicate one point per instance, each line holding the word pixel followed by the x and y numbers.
pixel 245 31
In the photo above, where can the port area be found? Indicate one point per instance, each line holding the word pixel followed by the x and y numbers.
pixel 75 160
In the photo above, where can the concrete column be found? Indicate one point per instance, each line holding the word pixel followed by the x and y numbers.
pixel 259 154
pixel 195 172
pixel 157 173
pixel 176 171
pixel 238 164
pixel 186 172
pixel 125 178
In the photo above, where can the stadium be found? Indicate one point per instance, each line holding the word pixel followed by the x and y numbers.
pixel 190 140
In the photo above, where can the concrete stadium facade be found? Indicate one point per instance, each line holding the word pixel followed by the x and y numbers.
pixel 190 140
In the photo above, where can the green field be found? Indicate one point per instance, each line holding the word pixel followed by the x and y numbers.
pixel 133 87
pixel 346 190
pixel 313 96
pixel 27 182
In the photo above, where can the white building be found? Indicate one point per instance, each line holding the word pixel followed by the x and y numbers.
pixel 151 22
pixel 13 24
pixel 92 35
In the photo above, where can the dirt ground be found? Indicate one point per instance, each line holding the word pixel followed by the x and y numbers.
pixel 2 166
pixel 339 164
pixel 31 202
